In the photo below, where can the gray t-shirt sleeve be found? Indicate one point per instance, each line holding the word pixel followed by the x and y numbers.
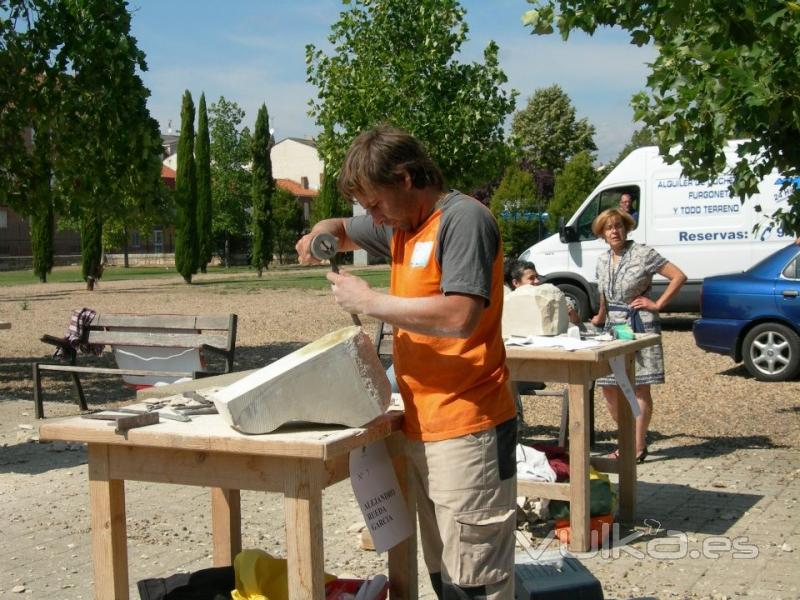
pixel 468 243
pixel 375 239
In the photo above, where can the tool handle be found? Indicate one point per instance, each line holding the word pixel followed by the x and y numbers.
pixel 335 269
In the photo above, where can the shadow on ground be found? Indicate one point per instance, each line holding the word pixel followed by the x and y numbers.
pixel 669 514
pixel 690 446
pixel 35 458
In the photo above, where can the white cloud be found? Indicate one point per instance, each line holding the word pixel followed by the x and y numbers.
pixel 249 85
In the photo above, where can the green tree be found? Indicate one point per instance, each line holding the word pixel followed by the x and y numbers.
pixel 394 61
pixel 186 195
pixel 230 181
pixel 287 222
pixel 723 71
pixel 517 206
pixel 94 141
pixel 205 240
pixel 42 228
pixel 329 203
pixel 91 248
pixel 572 186
pixel 41 215
pixel 263 188
pixel 548 131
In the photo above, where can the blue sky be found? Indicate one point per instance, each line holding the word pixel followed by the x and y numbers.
pixel 253 51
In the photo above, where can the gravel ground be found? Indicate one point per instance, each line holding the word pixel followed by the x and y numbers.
pixel 707 405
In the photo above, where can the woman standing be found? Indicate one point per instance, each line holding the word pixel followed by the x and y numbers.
pixel 624 276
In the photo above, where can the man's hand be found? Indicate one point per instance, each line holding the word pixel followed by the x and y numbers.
pixel 352 293
pixel 303 248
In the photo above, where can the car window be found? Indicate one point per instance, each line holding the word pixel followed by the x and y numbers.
pixel 602 201
pixel 792 270
pixel 585 219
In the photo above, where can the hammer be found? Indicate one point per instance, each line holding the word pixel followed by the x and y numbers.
pixel 324 247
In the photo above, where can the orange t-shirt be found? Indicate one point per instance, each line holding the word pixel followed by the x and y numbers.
pixel 450 386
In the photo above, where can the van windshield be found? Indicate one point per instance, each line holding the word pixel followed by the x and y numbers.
pixel 604 200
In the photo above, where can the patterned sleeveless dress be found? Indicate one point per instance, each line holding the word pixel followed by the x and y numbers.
pixel 620 284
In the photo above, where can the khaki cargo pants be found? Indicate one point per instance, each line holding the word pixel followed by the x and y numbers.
pixel 466 502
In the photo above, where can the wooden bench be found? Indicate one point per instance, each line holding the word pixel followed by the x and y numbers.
pixel 204 333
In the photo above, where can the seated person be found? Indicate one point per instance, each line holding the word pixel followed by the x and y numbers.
pixel 519 273
pixel 626 205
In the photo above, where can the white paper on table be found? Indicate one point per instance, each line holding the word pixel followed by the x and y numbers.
pixel 543 341
pixel 621 375
pixel 379 496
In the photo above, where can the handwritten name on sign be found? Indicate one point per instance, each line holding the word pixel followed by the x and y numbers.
pixel 378 494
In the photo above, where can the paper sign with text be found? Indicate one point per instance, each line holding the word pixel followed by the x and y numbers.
pixel 621 375
pixel 379 496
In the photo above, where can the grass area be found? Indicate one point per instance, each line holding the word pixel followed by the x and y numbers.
pixel 73 274
pixel 280 277
pixel 311 279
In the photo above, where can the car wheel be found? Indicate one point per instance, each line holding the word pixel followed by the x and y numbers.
pixel 581 299
pixel 771 352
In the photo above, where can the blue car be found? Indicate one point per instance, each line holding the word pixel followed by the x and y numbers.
pixel 755 316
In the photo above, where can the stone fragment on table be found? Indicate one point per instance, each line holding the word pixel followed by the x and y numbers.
pixel 337 379
pixel 535 310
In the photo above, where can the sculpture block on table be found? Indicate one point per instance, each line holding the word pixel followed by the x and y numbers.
pixel 337 379
pixel 535 310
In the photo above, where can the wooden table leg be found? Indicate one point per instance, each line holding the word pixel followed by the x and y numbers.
pixel 226 525
pixel 626 437
pixel 303 512
pixel 403 583
pixel 579 459
pixel 109 536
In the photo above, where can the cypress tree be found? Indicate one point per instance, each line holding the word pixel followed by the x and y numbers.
pixel 42 240
pixel 263 187
pixel 329 204
pixel 91 247
pixel 204 205
pixel 186 254
pixel 42 218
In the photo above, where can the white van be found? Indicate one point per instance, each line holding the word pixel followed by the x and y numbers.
pixel 697 226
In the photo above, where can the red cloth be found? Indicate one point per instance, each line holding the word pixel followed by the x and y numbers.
pixel 558 458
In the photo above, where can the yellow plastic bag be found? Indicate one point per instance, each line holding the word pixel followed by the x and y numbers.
pixel 260 576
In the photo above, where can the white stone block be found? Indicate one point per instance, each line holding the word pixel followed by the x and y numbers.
pixel 535 310
pixel 337 379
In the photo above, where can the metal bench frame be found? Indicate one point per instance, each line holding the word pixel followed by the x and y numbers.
pixel 213 333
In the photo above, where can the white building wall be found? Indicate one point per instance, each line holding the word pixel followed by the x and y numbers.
pixel 295 160
pixel 172 162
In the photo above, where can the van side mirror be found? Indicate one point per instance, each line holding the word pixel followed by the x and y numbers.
pixel 566 233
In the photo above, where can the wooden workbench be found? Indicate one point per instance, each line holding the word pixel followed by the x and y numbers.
pixel 578 369
pixel 298 463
